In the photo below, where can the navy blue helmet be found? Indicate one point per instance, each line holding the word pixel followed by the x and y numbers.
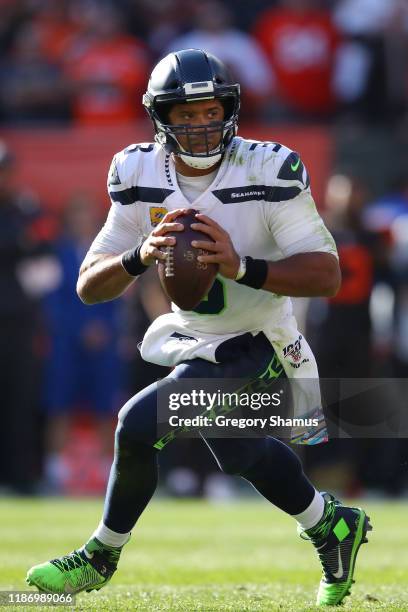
pixel 187 76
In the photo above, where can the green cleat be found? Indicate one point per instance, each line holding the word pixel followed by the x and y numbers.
pixel 86 569
pixel 337 538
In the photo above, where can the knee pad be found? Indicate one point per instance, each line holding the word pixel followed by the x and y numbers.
pixel 277 462
pixel 131 449
pixel 137 418
pixel 234 466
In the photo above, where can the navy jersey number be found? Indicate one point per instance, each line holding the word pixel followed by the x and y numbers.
pixel 215 302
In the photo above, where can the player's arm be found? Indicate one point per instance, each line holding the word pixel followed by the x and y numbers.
pixel 121 251
pixel 300 275
pixel 309 267
pixel 101 278
pixel 309 264
pixel 104 277
pixel 304 275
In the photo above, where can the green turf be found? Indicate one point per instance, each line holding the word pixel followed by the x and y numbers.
pixel 186 556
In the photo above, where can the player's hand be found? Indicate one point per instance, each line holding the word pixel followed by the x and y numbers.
pixel 221 250
pixel 157 239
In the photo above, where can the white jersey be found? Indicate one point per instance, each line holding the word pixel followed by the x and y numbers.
pixel 260 196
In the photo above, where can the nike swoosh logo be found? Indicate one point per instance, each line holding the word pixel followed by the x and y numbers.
pixel 339 572
pixel 88 555
pixel 295 166
pixel 71 590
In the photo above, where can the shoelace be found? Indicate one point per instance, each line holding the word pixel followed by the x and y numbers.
pixel 69 562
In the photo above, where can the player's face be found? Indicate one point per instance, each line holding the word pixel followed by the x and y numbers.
pixel 196 116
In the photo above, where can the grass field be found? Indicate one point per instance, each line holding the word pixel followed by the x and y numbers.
pixel 187 556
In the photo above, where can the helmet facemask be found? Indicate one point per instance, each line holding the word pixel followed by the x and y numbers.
pixel 167 135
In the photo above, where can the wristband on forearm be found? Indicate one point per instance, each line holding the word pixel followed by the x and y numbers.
pixel 132 263
pixel 256 271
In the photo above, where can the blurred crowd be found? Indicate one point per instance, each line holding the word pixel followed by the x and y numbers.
pixel 86 61
pixel 66 368
pixel 59 359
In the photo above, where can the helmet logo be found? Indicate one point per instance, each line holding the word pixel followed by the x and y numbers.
pixel 199 87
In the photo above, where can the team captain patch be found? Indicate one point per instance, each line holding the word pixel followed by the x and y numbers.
pixel 156 214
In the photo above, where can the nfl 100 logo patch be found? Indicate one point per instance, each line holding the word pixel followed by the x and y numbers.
pixel 156 214
pixel 293 352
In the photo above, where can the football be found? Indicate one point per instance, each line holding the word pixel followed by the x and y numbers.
pixel 184 279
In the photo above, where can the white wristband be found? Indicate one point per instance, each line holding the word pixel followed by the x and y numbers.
pixel 242 269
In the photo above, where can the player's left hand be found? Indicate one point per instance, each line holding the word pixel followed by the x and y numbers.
pixel 221 250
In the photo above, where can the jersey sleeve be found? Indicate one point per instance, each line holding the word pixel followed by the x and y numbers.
pixel 291 215
pixel 123 227
pixel 297 227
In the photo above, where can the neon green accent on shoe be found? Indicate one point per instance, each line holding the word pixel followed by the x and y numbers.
pixel 341 530
pixel 332 593
pixel 65 575
pixel 337 538
pixel 91 567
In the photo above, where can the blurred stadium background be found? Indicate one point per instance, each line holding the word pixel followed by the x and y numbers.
pixel 328 78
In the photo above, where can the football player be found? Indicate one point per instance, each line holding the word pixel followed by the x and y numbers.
pixel 255 204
